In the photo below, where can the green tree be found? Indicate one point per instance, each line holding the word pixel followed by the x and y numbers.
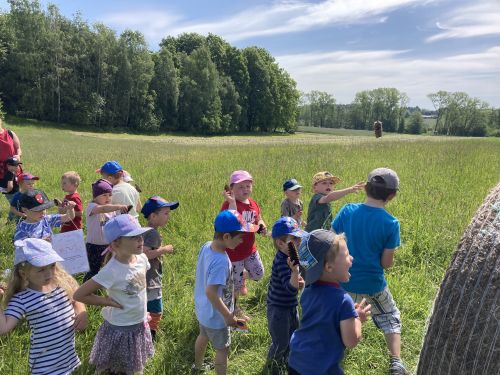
pixel 416 123
pixel 200 104
pixel 165 84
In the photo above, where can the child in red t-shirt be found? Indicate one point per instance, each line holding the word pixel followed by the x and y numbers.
pixel 245 257
pixel 69 184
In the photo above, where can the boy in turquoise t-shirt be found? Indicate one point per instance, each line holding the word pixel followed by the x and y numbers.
pixel 373 236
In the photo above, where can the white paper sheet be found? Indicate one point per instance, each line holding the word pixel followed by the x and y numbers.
pixel 71 247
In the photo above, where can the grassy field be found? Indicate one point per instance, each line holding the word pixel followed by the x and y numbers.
pixel 443 181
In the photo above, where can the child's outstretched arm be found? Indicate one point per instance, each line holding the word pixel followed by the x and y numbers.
pixel 213 296
pixel 105 208
pixel 337 194
pixel 7 323
pixel 85 294
pixel 155 253
pixel 350 329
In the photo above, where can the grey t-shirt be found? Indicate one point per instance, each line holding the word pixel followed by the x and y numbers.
pixel 317 214
pixel 289 208
pixel 152 239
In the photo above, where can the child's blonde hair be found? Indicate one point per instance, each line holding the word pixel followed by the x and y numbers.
pixel 17 283
pixel 72 177
pixel 335 248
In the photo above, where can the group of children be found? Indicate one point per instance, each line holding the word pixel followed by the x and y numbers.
pixel 125 260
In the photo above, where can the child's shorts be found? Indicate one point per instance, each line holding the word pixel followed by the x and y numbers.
pixel 220 338
pixel 252 264
pixel 155 306
pixel 385 313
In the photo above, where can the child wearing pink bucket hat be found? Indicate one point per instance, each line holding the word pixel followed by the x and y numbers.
pixel 245 257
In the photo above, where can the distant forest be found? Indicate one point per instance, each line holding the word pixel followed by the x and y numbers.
pixel 64 70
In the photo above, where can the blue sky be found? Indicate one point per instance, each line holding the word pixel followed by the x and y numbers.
pixel 337 46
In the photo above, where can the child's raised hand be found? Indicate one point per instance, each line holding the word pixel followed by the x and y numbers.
pixel 81 321
pixel 297 215
pixel 228 196
pixel 111 303
pixel 294 268
pixel 363 310
pixel 302 283
pixel 124 208
pixel 358 186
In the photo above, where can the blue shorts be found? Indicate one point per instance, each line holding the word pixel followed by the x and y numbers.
pixel 155 306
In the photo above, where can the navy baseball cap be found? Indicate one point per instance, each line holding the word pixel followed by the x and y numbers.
pixel 312 253
pixel 35 200
pixel 13 161
pixel 287 225
pixel 110 167
pixel 291 184
pixel 156 202
pixel 231 221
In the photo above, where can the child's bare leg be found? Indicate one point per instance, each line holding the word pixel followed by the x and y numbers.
pixel 221 361
pixel 200 347
pixel 393 341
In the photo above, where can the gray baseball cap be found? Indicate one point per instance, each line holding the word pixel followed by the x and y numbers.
pixel 384 177
pixel 312 253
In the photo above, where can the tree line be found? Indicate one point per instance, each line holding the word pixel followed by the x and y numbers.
pixel 65 70
pixel 455 113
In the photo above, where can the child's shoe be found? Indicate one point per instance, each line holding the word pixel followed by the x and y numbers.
pixel 397 367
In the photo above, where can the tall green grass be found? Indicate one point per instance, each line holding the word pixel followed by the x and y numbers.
pixel 443 181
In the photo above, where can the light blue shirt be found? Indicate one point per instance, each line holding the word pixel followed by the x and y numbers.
pixel 369 230
pixel 213 268
pixel 41 229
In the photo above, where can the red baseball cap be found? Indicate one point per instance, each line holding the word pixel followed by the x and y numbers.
pixel 27 177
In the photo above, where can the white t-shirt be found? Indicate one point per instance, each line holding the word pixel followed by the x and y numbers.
pixel 126 284
pixel 124 193
pixel 95 225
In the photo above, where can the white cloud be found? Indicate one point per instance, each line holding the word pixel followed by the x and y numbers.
pixel 480 19
pixel 343 73
pixel 151 23
pixel 278 18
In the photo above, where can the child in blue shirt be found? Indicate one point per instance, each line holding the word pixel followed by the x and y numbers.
pixel 330 320
pixel 284 285
pixel 373 236
pixel 214 290
pixel 33 204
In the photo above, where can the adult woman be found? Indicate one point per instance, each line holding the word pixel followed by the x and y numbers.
pixel 9 146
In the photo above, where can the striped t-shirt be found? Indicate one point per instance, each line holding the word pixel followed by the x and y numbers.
pixel 281 292
pixel 50 316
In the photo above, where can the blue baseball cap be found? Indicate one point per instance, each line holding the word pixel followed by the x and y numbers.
pixel 110 167
pixel 123 226
pixel 156 202
pixel 231 221
pixel 287 225
pixel 36 252
pixel 291 184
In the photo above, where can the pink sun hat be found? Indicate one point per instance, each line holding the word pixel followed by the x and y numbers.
pixel 240 176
